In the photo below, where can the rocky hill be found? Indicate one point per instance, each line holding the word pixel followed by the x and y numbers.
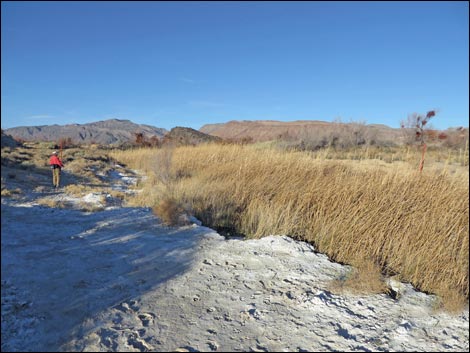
pixel 8 141
pixel 265 130
pixel 186 136
pixel 113 131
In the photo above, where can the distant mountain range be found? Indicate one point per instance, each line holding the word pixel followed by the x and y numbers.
pixel 113 131
pixel 266 130
pixel 310 134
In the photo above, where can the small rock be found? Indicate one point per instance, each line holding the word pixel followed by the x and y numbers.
pixel 212 345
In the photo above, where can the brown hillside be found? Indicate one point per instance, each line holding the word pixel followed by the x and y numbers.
pixel 106 132
pixel 183 136
pixel 9 141
pixel 265 130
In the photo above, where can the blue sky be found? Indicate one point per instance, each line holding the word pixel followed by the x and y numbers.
pixel 192 63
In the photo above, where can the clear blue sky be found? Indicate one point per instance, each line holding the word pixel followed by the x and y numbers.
pixel 191 63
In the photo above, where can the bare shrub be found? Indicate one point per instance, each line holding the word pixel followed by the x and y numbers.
pixel 171 212
pixel 338 135
pixel 64 142
pixel 416 127
pixel 144 141
pixel 419 125
pixel 51 203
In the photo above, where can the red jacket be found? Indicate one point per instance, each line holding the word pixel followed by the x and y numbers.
pixel 55 160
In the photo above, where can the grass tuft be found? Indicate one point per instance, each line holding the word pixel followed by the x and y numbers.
pixel 170 211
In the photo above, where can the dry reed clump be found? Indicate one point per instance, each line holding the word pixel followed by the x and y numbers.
pixel 117 194
pixel 170 211
pixel 451 301
pixel 77 189
pixel 407 223
pixel 77 166
pixel 48 202
pixel 10 192
pixel 365 278
pixel 159 189
pixel 90 207
pixel 138 158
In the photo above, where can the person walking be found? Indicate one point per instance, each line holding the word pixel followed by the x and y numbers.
pixel 56 166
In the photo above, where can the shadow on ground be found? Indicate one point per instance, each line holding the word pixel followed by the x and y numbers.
pixel 61 267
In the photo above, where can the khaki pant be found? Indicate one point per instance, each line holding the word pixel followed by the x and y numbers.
pixel 56 177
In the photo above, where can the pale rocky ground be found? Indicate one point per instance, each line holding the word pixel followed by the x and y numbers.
pixel 119 280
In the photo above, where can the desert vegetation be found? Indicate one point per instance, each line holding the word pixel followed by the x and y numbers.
pixel 362 206
pixel 366 205
pixel 25 171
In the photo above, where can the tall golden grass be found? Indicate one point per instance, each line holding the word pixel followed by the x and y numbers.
pixel 356 211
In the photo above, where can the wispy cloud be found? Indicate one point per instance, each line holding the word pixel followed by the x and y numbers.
pixel 205 104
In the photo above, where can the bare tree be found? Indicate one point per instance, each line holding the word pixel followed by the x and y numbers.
pixel 416 124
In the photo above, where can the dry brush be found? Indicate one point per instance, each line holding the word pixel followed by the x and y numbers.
pixel 410 224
